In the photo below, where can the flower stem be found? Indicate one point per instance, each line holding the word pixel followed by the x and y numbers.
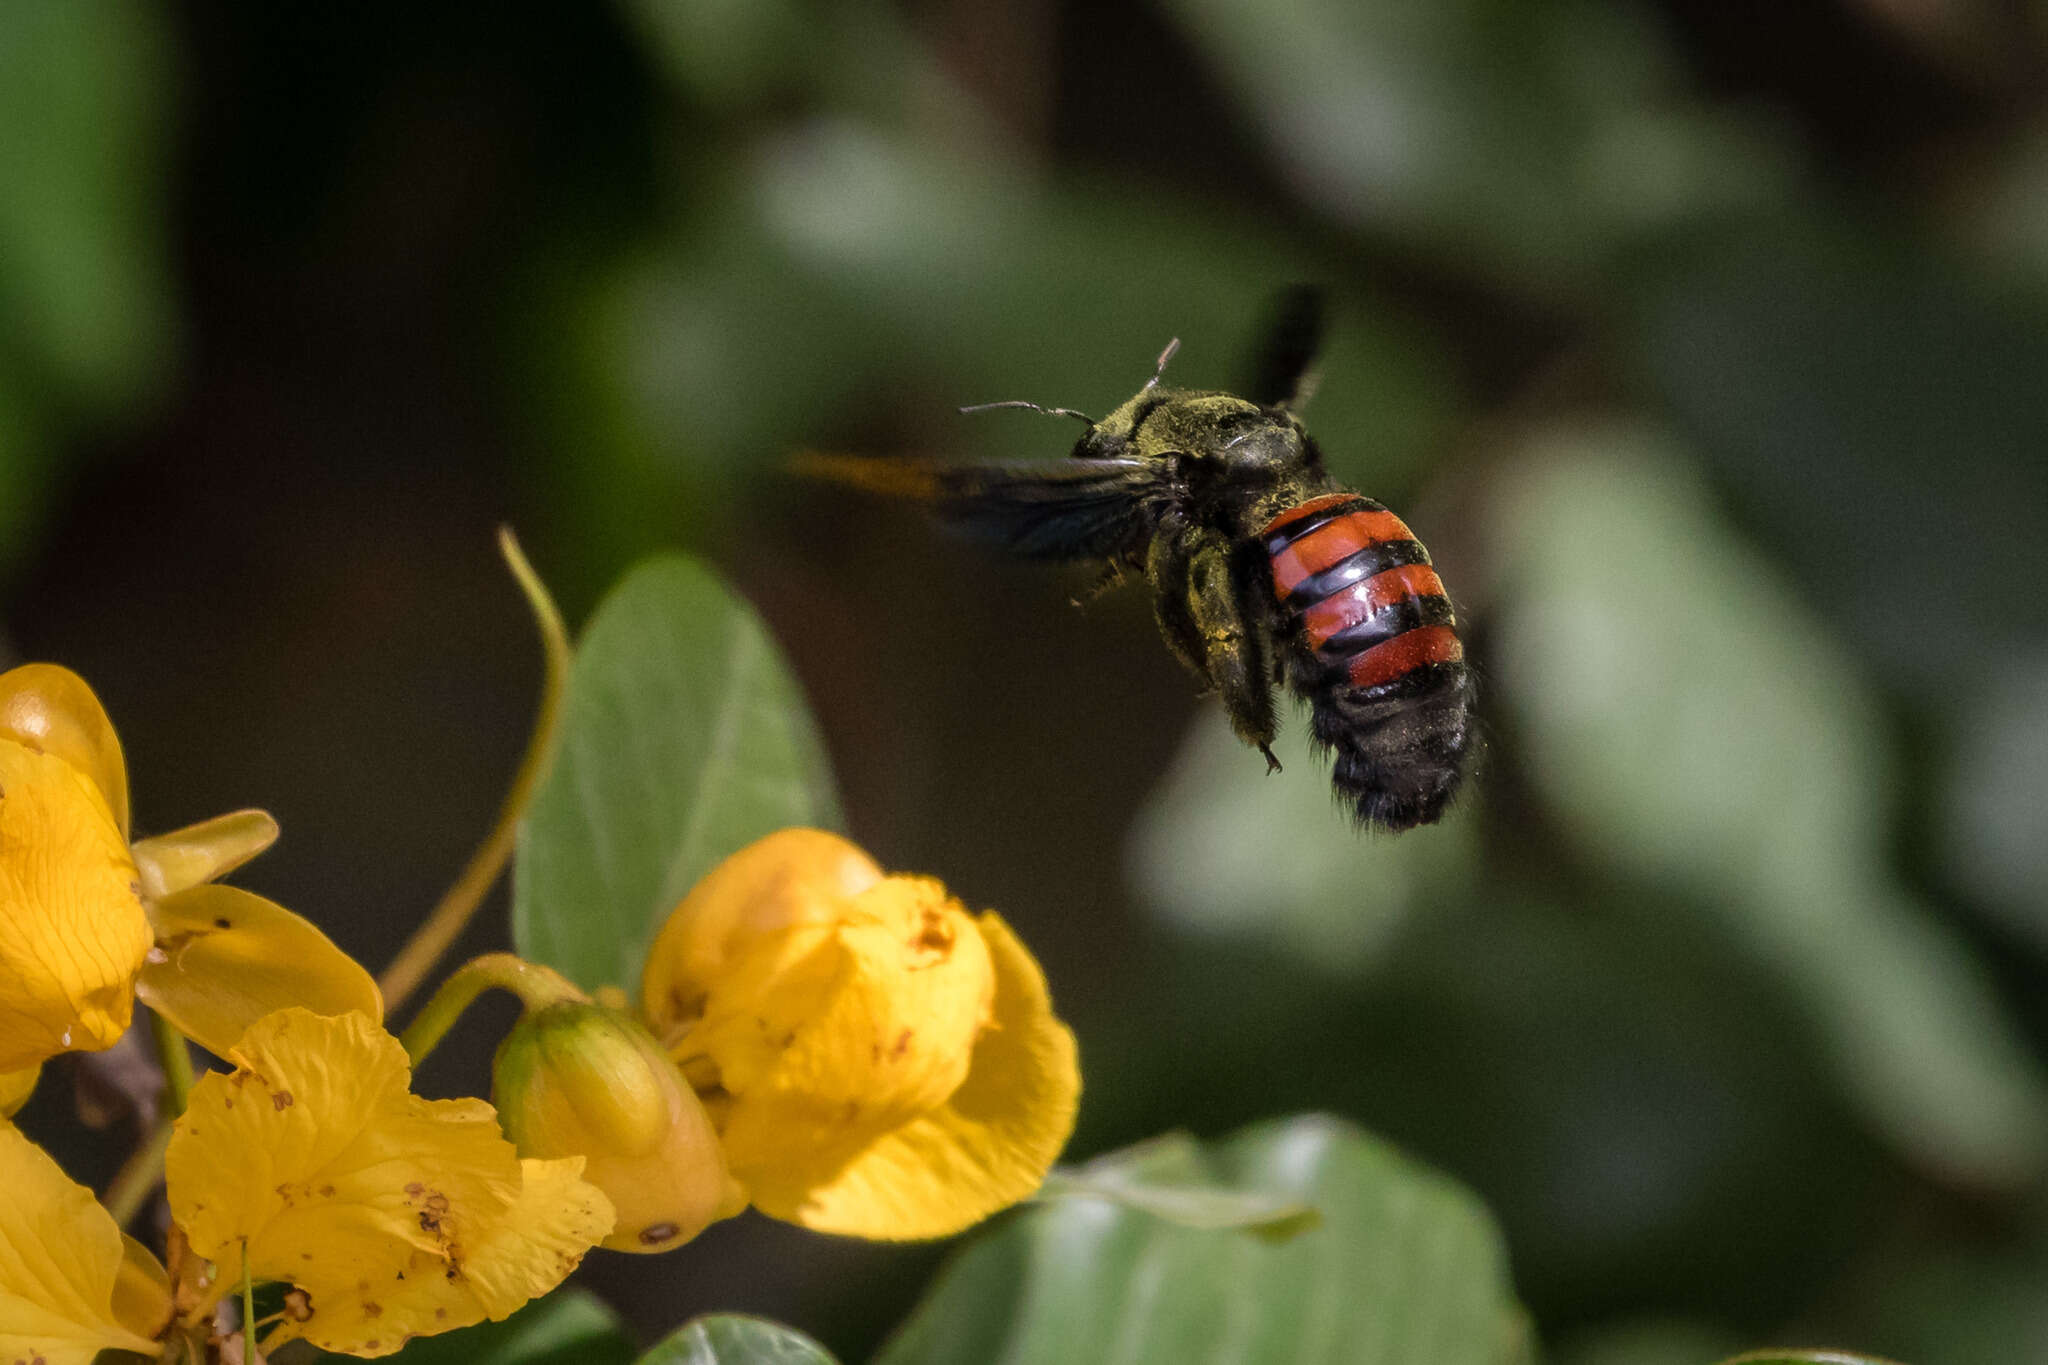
pixel 441 928
pixel 139 1175
pixel 143 1171
pixel 534 984
pixel 176 1057
pixel 250 1355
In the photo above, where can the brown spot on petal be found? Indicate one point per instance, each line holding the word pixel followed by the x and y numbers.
pixel 281 1100
pixel 372 1344
pixel 327 1191
pixel 372 1310
pixel 440 1313
pixel 934 934
pixel 654 1234
pixel 220 921
pixel 902 1044
pixel 415 1189
pixel 298 1305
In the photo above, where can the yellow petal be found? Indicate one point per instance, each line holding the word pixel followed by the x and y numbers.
pixel 397 1216
pixel 207 851
pixel 987 1147
pixel 789 878
pixel 16 1087
pixel 60 1255
pixel 224 958
pixel 50 709
pixel 824 1037
pixel 555 1217
pixel 142 1290
pixel 541 1237
pixel 72 929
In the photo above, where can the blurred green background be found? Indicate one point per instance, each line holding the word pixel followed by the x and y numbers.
pixel 1705 343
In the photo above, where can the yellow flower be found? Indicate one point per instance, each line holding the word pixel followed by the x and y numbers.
pixel 88 922
pixel 15 1088
pixel 580 1079
pixel 70 1284
pixel 394 1216
pixel 880 1062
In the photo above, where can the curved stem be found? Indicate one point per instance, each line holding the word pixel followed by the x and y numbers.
pixel 441 928
pixel 175 1055
pixel 143 1171
pixel 139 1175
pixel 534 984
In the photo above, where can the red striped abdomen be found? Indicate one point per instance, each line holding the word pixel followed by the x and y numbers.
pixel 1371 609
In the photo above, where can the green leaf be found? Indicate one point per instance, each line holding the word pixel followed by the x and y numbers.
pixel 1324 893
pixel 1828 369
pixel 568 1327
pixel 1645 1341
pixel 86 97
pixel 684 738
pixel 731 1339
pixel 1166 1179
pixel 1406 1267
pixel 1688 723
pixel 1528 141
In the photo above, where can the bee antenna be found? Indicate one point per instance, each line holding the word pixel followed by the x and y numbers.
pixel 1034 407
pixel 1159 370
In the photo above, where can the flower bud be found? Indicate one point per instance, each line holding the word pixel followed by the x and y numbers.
pixel 579 1079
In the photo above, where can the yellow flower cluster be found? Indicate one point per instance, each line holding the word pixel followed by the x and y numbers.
pixel 847 1050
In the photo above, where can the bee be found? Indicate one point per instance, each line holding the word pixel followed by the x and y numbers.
pixel 1263 571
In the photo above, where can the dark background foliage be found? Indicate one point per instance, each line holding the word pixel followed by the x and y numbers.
pixel 1704 343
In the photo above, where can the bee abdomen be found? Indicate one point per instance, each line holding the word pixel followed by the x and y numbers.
pixel 1376 652
pixel 1370 606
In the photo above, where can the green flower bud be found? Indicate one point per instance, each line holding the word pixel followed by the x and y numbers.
pixel 580 1079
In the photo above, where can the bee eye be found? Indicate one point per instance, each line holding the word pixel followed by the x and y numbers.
pixel 1100 445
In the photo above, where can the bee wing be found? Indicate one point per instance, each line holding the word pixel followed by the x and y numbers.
pixel 1070 509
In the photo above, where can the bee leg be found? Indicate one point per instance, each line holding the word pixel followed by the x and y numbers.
pixel 1166 567
pixel 1237 639
pixel 1111 577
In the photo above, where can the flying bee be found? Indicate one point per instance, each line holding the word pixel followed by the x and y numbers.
pixel 1263 571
